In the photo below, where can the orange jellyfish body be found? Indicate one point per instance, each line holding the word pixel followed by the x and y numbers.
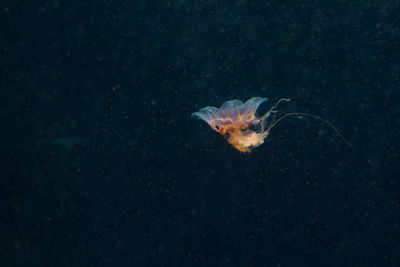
pixel 237 122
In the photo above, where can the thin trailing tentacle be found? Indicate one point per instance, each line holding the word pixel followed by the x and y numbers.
pixel 315 117
pixel 268 114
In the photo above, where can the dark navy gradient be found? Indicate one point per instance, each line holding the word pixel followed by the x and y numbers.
pixel 102 164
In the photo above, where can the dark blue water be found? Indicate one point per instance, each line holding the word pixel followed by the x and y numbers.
pixel 102 164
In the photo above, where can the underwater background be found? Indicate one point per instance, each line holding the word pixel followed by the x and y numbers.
pixel 103 165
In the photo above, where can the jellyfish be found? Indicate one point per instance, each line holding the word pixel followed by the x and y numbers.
pixel 238 123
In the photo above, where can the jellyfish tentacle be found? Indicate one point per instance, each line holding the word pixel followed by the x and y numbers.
pixel 315 117
pixel 266 116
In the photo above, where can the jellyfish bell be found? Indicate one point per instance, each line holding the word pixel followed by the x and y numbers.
pixel 238 123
